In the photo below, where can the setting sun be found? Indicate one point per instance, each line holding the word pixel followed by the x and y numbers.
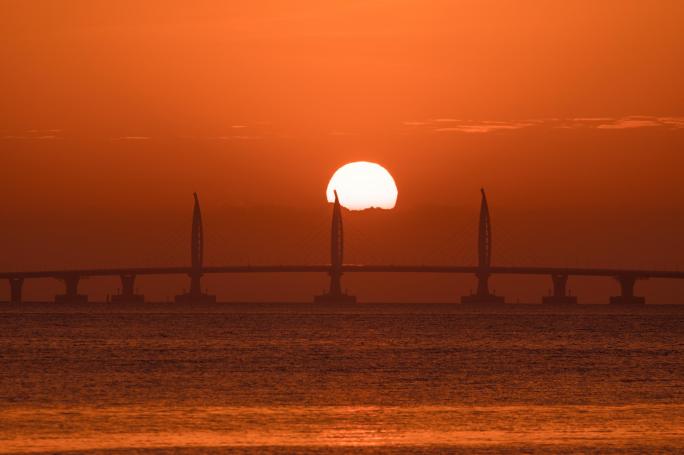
pixel 362 185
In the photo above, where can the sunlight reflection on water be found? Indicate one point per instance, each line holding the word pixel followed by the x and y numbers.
pixel 55 429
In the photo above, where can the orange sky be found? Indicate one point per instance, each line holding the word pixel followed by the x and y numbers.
pixel 128 107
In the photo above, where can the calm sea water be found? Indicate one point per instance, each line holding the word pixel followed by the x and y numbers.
pixel 365 378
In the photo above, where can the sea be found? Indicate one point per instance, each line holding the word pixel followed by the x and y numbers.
pixel 363 378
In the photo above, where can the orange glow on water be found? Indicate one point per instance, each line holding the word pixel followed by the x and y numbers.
pixel 413 428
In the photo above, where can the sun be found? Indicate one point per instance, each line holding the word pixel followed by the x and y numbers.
pixel 362 185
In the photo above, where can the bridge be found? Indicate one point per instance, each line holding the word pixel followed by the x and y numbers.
pixel 626 278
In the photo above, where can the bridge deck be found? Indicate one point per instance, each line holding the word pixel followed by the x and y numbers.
pixel 349 268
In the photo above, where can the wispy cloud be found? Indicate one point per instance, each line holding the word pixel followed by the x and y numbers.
pixel 446 125
pixel 623 123
pixel 40 134
pixel 483 127
pixel 629 123
pixel 37 131
pixel 591 119
pixel 237 137
pixel 675 122
pixel 454 125
pixel 477 127
pixel 42 137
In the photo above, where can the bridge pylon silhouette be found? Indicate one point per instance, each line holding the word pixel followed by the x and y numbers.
pixel 484 254
pixel 195 295
pixel 335 294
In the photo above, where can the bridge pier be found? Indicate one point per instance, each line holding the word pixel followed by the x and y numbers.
pixel 71 294
pixel 560 295
pixel 195 295
pixel 335 294
pixel 16 285
pixel 627 296
pixel 128 294
pixel 482 295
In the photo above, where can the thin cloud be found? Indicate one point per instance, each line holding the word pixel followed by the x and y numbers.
pixel 675 122
pixel 445 125
pixel 237 137
pixel 132 138
pixel 591 119
pixel 629 123
pixel 484 127
pixel 626 123
pixel 44 132
pixel 245 138
pixel 34 134
pixel 44 137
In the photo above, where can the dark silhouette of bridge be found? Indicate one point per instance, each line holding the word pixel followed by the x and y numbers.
pixel 336 268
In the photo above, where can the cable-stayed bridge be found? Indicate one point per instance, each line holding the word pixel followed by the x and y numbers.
pixel 336 268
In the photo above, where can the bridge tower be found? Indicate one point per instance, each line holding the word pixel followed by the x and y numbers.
pixel 335 294
pixel 484 253
pixel 196 260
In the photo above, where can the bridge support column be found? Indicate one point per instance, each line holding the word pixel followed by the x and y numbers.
pixel 128 294
pixel 71 295
pixel 627 296
pixel 560 295
pixel 195 295
pixel 482 295
pixel 16 285
pixel 335 294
